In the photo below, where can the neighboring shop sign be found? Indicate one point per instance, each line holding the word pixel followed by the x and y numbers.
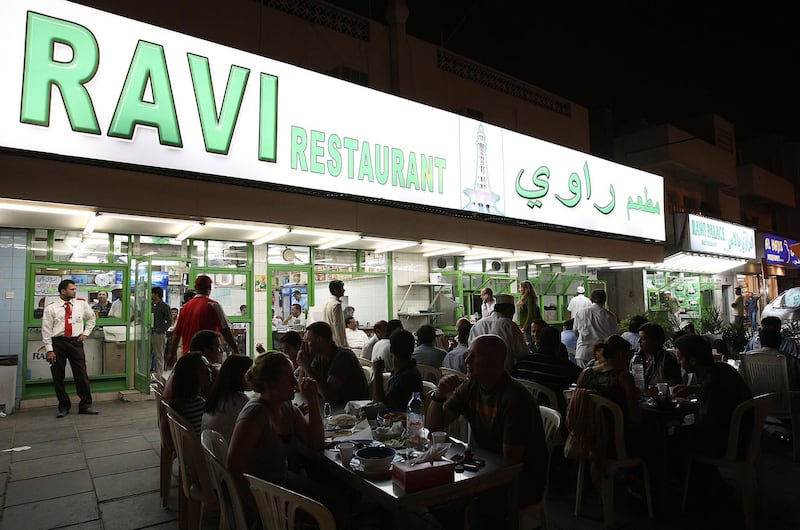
pixel 82 83
pixel 718 237
pixel 778 251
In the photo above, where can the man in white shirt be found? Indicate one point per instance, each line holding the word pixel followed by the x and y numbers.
pixel 381 350
pixel 356 338
pixel 578 302
pixel 296 319
pixel 500 323
pixel 379 333
pixel 116 304
pixel 65 325
pixel 487 297
pixel 592 324
pixel 333 313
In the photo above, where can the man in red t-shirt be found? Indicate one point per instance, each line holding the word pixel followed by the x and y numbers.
pixel 201 312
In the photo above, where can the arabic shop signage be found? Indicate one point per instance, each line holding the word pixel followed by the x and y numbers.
pixel 82 83
pixel 718 237
pixel 777 251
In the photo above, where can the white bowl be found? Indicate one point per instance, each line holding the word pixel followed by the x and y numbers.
pixel 375 459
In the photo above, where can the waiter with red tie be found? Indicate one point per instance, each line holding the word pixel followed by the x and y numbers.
pixel 65 325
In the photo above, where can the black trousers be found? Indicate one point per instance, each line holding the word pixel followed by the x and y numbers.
pixel 70 349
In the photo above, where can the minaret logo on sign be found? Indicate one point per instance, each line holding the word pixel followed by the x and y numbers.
pixel 481 197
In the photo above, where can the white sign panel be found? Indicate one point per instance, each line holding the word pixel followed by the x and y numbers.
pixel 718 237
pixel 83 83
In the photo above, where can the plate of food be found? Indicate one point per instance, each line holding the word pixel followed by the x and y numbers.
pixel 334 446
pixel 390 416
pixel 342 421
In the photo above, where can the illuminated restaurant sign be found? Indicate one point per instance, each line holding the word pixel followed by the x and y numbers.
pixel 718 237
pixel 78 82
pixel 778 251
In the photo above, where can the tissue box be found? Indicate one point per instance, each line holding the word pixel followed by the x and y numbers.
pixel 411 478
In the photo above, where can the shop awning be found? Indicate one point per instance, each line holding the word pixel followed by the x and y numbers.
pixel 697 262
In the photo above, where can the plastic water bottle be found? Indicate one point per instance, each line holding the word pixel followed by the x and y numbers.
pixel 637 369
pixel 415 418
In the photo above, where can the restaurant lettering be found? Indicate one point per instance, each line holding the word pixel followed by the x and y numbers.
pixel 337 155
pixel 146 97
pixel 699 228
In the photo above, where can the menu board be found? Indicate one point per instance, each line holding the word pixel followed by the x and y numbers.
pixel 45 284
pixel 687 293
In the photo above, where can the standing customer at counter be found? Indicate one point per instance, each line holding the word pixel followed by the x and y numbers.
pixel 65 325
pixel 527 308
pixel 162 319
pixel 201 312
pixel 333 313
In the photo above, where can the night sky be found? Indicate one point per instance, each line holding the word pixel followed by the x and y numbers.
pixel 645 61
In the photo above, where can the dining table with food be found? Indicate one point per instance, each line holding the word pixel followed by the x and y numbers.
pixel 372 451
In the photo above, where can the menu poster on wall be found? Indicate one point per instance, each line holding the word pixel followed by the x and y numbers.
pixel 687 293
pixel 46 284
pixel 261 283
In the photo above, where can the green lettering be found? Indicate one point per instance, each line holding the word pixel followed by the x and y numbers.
pixel 398 162
pixel 411 177
pixel 268 119
pixel 351 145
pixel 381 164
pixel 335 163
pixel 426 172
pixel 42 71
pixel 366 163
pixel 317 151
pixel 299 145
pixel 217 128
pixel 147 66
pixel 441 165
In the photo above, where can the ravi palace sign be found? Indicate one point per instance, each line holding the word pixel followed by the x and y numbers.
pixel 84 84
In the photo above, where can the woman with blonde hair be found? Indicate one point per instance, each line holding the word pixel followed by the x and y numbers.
pixel 527 307
pixel 270 427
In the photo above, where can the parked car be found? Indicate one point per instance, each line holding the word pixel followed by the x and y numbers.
pixel 785 306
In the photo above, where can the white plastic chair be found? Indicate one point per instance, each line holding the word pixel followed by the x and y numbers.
pixel 195 480
pixel 365 362
pixel 367 372
pixel 449 371
pixel 765 373
pixel 230 504
pixel 537 389
pixel 745 469
pixel 168 455
pixel 429 373
pixel 278 506
pixel 551 421
pixel 610 466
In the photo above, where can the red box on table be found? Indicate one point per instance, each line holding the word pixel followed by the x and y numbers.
pixel 415 477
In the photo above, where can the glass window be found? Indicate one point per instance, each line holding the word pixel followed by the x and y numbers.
pixel 472 266
pixel 374 261
pixel 93 286
pixel 288 255
pixel 39 245
pixel 368 294
pixel 335 260
pixel 231 254
pixel 199 253
pixel 120 246
pixel 230 290
pixel 163 247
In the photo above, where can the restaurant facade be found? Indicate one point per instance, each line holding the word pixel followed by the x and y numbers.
pixel 135 156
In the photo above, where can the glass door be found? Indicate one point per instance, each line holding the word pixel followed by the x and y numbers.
pixel 289 287
pixel 141 320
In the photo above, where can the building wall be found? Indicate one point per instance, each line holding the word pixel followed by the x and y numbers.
pixel 13 250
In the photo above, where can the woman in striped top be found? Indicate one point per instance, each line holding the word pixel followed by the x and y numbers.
pixel 190 373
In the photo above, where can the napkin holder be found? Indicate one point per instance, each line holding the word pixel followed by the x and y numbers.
pixel 411 477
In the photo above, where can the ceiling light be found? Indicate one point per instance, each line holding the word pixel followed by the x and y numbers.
pixel 189 230
pixel 397 246
pixel 317 233
pixel 339 241
pixel 521 256
pixel 233 226
pixel 25 207
pixel 445 250
pixel 91 224
pixel 269 235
